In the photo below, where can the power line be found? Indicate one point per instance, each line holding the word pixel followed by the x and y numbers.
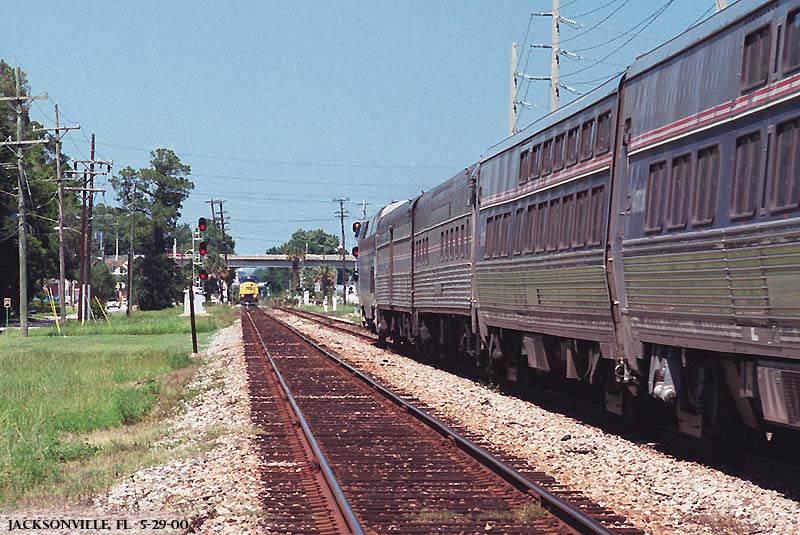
pixel 595 25
pixel 295 163
pixel 653 18
pixel 595 10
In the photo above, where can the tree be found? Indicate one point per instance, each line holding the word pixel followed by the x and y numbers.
pixel 301 242
pixel 157 192
pixel 304 242
pixel 103 284
pixel 40 194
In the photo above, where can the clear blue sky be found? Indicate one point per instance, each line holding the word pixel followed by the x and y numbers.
pixel 280 107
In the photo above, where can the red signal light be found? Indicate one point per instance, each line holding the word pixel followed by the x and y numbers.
pixel 203 248
pixel 203 275
pixel 354 251
pixel 201 224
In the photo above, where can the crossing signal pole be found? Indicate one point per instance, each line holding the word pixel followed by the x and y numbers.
pixel 19 101
pixel 342 213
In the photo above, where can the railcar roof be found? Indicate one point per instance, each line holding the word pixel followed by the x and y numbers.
pixel 609 87
pixel 646 61
pixel 695 34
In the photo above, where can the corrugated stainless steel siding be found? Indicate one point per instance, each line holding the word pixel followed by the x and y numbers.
pixel 566 291
pixel 441 287
pixel 718 284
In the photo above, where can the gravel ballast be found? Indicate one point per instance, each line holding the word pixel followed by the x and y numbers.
pixel 656 492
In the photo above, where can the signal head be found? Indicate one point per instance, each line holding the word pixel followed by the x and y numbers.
pixel 354 251
pixel 203 275
pixel 202 248
pixel 356 228
pixel 201 224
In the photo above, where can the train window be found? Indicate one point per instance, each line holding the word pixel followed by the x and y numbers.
pixel 755 58
pixel 487 251
pixel 533 164
pixel 547 157
pixel 791 43
pixel 581 216
pixel 527 231
pixel 571 150
pixel 541 227
pixel 558 152
pixel 704 195
pixel 680 180
pixel 554 211
pixel 522 175
pixel 587 138
pixel 603 135
pixel 506 234
pixel 565 232
pixel 785 180
pixel 518 226
pixel 597 215
pixel 656 186
pixel 747 168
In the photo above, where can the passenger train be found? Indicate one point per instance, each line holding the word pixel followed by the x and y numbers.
pixel 643 240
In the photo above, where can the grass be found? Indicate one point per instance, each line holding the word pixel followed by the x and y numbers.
pixel 78 411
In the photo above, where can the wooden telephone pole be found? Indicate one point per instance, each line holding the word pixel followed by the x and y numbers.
pixel 88 190
pixel 19 101
pixel 62 306
pixel 342 213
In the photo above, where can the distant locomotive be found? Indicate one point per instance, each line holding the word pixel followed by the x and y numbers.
pixel 248 292
pixel 643 240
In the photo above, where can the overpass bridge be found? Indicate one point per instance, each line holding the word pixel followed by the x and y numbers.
pixel 286 261
pixel 279 260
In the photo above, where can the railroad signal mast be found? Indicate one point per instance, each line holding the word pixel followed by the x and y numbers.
pixel 199 253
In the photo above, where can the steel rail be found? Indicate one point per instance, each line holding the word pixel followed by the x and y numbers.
pixel 346 512
pixel 565 512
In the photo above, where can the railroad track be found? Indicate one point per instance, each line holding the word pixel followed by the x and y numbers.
pixel 386 463
pixel 334 323
pixel 738 460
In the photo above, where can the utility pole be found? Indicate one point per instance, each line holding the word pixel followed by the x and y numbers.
pixel 222 228
pixel 721 4
pixel 87 208
pixel 212 202
pixel 364 205
pixel 22 186
pixel 554 55
pixel 342 214
pixel 62 306
pixel 512 99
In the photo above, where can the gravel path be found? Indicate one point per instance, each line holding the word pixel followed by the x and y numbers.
pixel 656 492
